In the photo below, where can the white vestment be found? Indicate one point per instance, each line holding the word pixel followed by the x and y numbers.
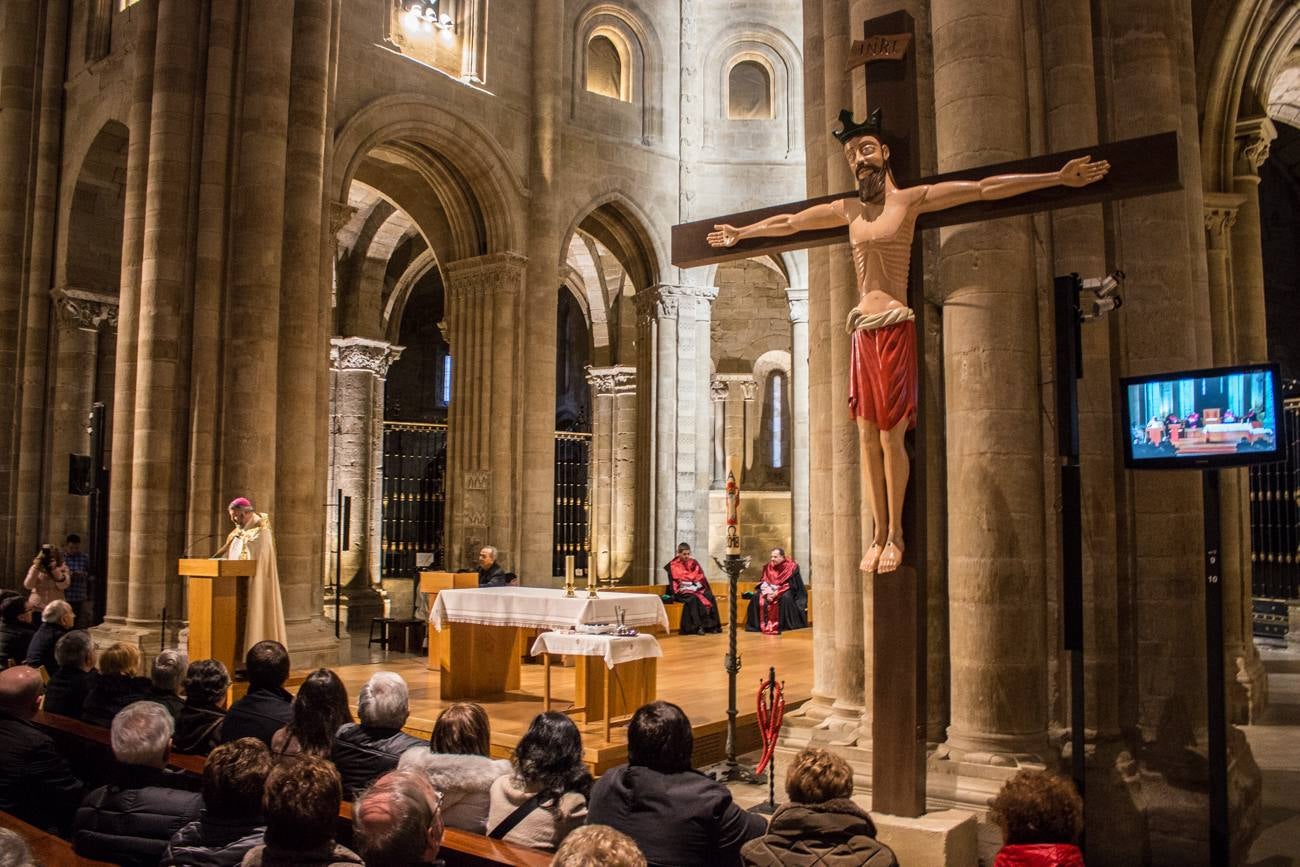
pixel 264 619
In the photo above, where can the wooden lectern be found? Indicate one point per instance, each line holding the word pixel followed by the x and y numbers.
pixel 431 583
pixel 213 594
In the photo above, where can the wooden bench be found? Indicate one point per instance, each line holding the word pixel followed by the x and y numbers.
pixel 47 848
pixel 459 848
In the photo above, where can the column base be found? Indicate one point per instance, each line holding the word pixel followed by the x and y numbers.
pixel 363 602
pixel 1248 689
pixel 312 644
pixel 146 635
pixel 945 838
pixel 1293 624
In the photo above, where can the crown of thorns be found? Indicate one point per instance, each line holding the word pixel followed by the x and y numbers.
pixel 851 129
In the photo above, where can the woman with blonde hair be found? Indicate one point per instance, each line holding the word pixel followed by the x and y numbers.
pixel 47 578
pixel 119 683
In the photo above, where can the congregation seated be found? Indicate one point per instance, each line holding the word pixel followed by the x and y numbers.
pixel 17 626
pixel 688 585
pixel 318 711
pixel 119 684
pixel 396 822
pixel 458 764
pixel 231 824
pixel 130 820
pixel 264 709
pixel 490 572
pixel 598 846
pixel 780 602
pixel 198 725
pixel 301 806
pixel 36 783
pixel 545 796
pixel 1041 817
pixel 165 675
pixel 56 620
pixel 362 751
pixel 676 815
pixel 67 690
pixel 821 824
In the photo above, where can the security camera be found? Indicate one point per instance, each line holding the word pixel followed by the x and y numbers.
pixel 1105 295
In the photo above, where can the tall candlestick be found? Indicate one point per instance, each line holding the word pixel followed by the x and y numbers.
pixel 568 576
pixel 591 584
pixel 733 505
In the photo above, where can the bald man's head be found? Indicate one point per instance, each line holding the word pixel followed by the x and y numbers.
pixel 20 691
pixel 397 820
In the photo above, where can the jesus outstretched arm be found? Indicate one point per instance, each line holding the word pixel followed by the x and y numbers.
pixel 825 216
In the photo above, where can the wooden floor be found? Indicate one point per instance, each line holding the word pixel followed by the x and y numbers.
pixel 691 675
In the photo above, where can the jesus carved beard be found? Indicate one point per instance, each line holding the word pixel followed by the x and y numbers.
pixel 871 185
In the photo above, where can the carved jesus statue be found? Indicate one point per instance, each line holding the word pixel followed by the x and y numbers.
pixel 883 365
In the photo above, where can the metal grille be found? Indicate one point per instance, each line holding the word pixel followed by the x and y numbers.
pixel 572 506
pixel 1275 518
pixel 415 496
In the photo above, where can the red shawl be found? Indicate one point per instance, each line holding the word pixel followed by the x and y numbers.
pixel 1039 855
pixel 779 576
pixel 689 571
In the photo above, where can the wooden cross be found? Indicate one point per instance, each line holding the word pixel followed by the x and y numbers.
pixel 1139 167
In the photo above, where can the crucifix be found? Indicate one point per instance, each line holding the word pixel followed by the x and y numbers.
pixel 882 218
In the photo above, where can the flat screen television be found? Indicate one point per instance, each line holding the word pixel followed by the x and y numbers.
pixel 1197 419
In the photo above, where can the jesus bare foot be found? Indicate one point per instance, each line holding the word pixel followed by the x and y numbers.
pixel 891 557
pixel 870 558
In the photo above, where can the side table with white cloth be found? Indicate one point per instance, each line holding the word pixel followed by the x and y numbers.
pixel 626 680
pixel 479 629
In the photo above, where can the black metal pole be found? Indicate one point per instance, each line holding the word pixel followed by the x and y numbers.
pixel 731 770
pixel 771 765
pixel 338 564
pixel 1216 712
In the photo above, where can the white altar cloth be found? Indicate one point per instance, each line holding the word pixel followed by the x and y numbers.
pixel 614 649
pixel 543 607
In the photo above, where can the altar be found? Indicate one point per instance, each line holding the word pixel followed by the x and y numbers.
pixel 481 630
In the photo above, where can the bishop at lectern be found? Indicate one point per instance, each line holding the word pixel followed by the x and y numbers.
pixel 251 540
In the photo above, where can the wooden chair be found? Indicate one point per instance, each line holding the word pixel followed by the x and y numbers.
pixel 47 848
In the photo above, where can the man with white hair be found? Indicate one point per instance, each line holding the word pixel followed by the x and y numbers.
pixel 56 619
pixel 490 573
pixel 36 784
pixel 165 676
pixel 363 751
pixel 130 820
pixel 396 822
pixel 66 692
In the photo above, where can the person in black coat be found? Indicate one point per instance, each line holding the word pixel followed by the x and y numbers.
pixel 362 752
pixel 688 585
pixel 66 692
pixel 265 708
pixel 676 815
pixel 490 573
pixel 119 683
pixel 234 781
pixel 780 602
pixel 36 784
pixel 56 620
pixel 165 675
pixel 17 626
pixel 130 820
pixel 198 726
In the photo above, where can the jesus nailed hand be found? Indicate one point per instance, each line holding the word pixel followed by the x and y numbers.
pixel 883 369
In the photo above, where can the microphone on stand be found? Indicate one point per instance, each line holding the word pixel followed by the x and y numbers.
pixel 189 549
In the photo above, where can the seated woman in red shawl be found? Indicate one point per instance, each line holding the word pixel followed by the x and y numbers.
pixel 780 601
pixel 687 585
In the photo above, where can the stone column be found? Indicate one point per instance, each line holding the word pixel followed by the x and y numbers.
pixel 1254 137
pixel 718 391
pixel 360 367
pixel 482 298
pixel 613 456
pixel 995 471
pixel 682 445
pixel 80 317
pixel 799 506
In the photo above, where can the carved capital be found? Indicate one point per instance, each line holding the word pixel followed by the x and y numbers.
pixel 358 353
pixel 482 276
pixel 611 381
pixel 84 309
pixel 748 389
pixel 341 213
pixel 1220 211
pixel 1254 137
pixel 668 301
pixel 798 299
pixel 718 389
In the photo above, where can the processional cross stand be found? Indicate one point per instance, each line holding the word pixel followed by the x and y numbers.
pixel 1139 167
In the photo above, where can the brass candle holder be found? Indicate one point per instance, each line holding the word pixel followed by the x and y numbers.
pixel 568 577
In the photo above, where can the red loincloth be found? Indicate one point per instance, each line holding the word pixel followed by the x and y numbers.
pixel 883 376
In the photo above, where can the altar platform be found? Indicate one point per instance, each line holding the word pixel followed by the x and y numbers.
pixel 690 675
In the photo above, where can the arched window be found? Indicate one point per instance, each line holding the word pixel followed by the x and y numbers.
pixel 607 72
pixel 776 430
pixel 749 91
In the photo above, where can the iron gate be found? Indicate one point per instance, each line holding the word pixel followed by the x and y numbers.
pixel 1275 516
pixel 572 505
pixel 415 496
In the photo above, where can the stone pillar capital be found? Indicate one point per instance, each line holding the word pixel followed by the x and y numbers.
pixel 85 309
pixel 481 276
pixel 669 301
pixel 1254 137
pixel 1220 211
pixel 718 389
pixel 612 381
pixel 798 299
pixel 341 213
pixel 359 353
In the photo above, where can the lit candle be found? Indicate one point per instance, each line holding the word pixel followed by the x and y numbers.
pixel 733 505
